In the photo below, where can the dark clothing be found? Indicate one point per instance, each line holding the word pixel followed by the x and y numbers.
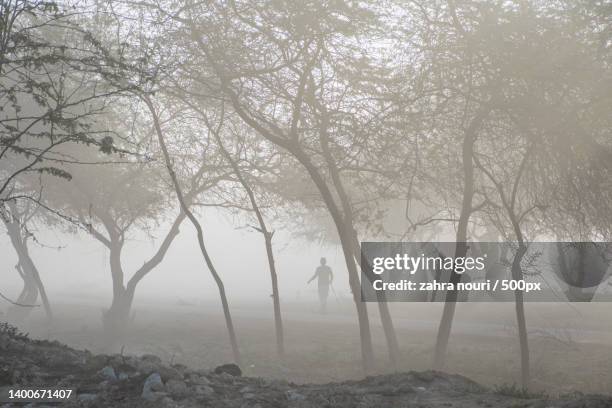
pixel 324 277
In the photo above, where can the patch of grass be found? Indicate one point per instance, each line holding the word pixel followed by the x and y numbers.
pixel 515 391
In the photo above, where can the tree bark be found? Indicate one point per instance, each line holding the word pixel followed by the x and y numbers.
pixel 29 293
pixel 117 318
pixel 278 320
pixel 28 296
pixel 40 286
pixel 33 285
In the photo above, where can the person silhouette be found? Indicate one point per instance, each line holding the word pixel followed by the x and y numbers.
pixel 324 276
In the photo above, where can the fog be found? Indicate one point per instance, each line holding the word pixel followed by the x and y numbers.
pixel 75 266
pixel 197 181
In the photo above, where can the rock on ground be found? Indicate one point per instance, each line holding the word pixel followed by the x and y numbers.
pixel 129 381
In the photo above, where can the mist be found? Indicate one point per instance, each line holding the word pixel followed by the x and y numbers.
pixel 196 193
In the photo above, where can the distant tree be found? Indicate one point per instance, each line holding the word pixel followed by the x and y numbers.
pixel 184 200
pixel 17 217
pixel 262 227
pixel 291 85
pixel 113 199
pixel 450 97
pixel 491 65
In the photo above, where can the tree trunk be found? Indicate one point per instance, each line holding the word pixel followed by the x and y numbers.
pixel 278 320
pixel 29 293
pixel 116 319
pixel 28 296
pixel 347 243
pixel 194 221
pixel 220 286
pixel 365 335
pixel 33 284
pixel 29 264
pixel 446 321
pixel 348 226
pixel 383 310
pixel 389 329
pixel 381 297
pixel 517 274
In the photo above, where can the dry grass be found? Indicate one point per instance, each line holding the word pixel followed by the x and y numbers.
pixel 568 353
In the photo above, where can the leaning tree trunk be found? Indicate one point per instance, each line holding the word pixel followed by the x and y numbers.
pixel 448 313
pixel 278 320
pixel 39 284
pixel 383 310
pixel 179 194
pixel 367 351
pixel 381 297
pixel 446 321
pixel 347 244
pixel 348 226
pixel 220 286
pixel 28 296
pixel 29 293
pixel 33 285
pixel 365 334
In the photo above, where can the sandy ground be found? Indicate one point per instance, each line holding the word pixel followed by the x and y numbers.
pixel 571 345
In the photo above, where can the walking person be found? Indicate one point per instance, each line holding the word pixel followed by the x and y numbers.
pixel 324 276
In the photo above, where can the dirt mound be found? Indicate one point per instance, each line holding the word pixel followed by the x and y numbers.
pixel 130 381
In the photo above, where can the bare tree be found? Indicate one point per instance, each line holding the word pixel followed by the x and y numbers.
pixel 288 81
pixel 17 217
pixel 185 204
pixel 263 229
pixel 517 213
